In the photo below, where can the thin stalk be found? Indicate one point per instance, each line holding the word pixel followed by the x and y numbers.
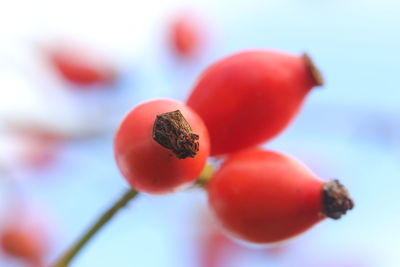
pixel 66 258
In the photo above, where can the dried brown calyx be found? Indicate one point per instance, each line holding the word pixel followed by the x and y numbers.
pixel 336 200
pixel 172 131
pixel 315 72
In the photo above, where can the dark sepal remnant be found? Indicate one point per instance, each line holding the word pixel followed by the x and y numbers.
pixel 314 71
pixel 172 131
pixel 336 200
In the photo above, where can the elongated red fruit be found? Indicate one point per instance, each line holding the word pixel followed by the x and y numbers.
pixel 161 145
pixel 81 67
pixel 250 97
pixel 262 197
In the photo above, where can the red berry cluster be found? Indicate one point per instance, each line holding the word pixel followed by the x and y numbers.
pixel 237 103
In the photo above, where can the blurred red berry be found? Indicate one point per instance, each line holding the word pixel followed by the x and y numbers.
pixel 24 243
pixel 262 197
pixel 80 67
pixel 41 149
pixel 147 140
pixel 39 145
pixel 186 36
pixel 250 97
pixel 216 248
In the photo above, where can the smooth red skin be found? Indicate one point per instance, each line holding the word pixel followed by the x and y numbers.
pixel 23 244
pixel 74 67
pixel 250 97
pixel 149 167
pixel 185 36
pixel 263 197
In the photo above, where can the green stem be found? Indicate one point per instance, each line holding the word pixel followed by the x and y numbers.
pixel 204 177
pixel 65 259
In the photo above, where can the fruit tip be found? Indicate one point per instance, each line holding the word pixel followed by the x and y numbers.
pixel 314 70
pixel 172 131
pixel 336 200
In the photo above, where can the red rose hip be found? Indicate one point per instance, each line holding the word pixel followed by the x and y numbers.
pixel 185 36
pixel 80 67
pixel 24 243
pixel 161 145
pixel 250 97
pixel 262 197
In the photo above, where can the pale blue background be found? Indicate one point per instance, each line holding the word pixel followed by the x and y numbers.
pixel 349 129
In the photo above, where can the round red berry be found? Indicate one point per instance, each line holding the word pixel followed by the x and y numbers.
pixel 161 145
